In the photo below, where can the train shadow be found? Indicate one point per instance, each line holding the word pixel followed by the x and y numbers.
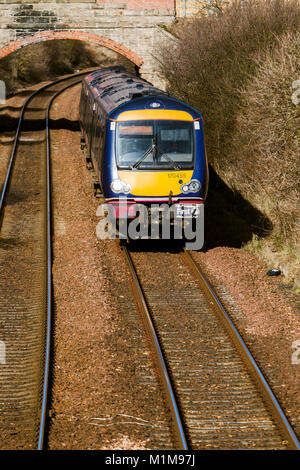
pixel 67 124
pixel 230 221
pixel 162 246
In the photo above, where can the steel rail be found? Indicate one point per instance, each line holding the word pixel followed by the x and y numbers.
pixel 48 282
pixel 171 397
pixel 270 399
pixel 16 139
pixel 44 406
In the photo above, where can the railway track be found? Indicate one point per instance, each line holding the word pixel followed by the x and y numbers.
pixel 25 274
pixel 217 395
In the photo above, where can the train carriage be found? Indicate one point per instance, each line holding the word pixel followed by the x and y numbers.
pixel 144 144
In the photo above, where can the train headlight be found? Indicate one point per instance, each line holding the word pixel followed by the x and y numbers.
pixel 118 186
pixel 192 187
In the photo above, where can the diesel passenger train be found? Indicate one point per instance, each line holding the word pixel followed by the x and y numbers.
pixel 145 145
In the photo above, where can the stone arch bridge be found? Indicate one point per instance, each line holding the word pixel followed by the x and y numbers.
pixel 129 27
pixel 132 28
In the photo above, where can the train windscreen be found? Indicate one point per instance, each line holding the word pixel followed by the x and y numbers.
pixel 153 144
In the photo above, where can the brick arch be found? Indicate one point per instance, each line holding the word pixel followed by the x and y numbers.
pixel 76 35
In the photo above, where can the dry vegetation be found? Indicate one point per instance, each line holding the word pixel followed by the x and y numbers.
pixel 238 68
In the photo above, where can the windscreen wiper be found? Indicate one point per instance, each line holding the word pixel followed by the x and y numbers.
pixel 145 155
pixel 175 165
pixel 154 147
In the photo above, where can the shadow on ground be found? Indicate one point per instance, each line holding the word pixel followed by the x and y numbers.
pixel 230 221
pixel 9 123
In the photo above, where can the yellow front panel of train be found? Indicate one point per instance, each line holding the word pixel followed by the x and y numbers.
pixel 155 183
pixel 166 114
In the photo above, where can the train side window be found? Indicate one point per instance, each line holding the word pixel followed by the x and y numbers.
pixel 101 123
pixel 98 137
pixel 83 107
pixel 89 116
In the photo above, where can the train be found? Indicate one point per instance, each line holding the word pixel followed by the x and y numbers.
pixel 145 146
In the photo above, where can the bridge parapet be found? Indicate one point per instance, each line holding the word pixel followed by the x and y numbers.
pixel 129 27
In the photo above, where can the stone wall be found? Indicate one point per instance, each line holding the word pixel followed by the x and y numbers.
pixel 130 27
pixel 190 8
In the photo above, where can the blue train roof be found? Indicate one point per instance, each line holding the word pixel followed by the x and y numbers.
pixel 115 89
pixel 154 102
pixel 114 86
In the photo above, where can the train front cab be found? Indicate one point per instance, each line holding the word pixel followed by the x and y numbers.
pixel 157 156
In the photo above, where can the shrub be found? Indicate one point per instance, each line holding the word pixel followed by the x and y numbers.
pixel 263 162
pixel 233 67
pixel 214 56
pixel 237 68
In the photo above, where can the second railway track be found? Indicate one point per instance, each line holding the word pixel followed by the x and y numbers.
pixel 25 274
pixel 221 399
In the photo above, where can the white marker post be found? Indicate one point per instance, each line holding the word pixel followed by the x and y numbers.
pixel 2 353
pixel 2 92
pixel 296 94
